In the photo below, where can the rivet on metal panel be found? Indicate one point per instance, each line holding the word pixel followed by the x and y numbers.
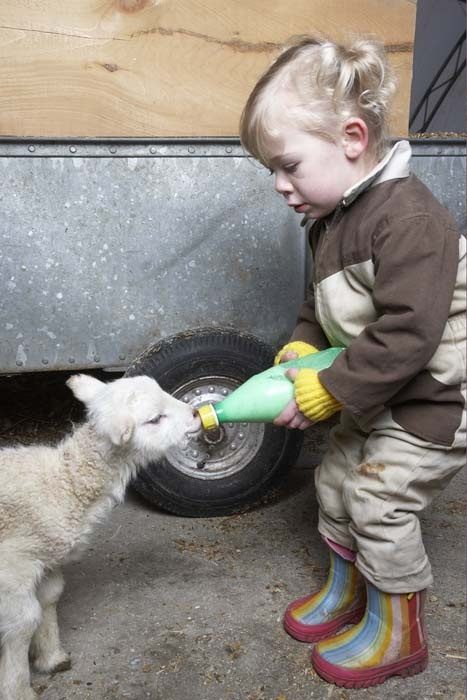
pixel 122 357
pixel 113 149
pixel 228 149
pixel 72 149
pixel 97 358
pixel 191 149
pixel 71 360
pixel 19 363
pixel 31 149
pixel 153 149
pixel 45 361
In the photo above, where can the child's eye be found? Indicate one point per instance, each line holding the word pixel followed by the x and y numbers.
pixel 291 168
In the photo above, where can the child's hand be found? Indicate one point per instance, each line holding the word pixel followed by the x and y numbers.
pixel 291 416
pixel 291 351
pixel 289 355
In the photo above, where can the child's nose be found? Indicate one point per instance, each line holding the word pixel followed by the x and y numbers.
pixel 282 185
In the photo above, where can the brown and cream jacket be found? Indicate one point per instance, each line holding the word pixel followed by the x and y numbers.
pixel 389 284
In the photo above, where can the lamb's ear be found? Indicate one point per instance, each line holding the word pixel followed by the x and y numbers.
pixel 121 429
pixel 84 387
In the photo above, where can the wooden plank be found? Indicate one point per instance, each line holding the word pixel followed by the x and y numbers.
pixel 167 67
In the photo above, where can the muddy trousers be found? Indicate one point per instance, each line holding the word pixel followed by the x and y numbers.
pixel 373 481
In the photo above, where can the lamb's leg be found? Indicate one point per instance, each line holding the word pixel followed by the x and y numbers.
pixel 46 651
pixel 20 614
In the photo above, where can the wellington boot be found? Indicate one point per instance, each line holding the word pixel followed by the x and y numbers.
pixel 389 641
pixel 340 602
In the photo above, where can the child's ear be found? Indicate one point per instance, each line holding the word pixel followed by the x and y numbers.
pixel 354 137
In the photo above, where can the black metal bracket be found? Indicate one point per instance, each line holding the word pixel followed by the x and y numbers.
pixel 440 82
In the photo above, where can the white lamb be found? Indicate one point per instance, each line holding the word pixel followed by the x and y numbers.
pixel 51 499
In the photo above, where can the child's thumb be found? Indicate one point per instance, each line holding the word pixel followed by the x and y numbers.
pixel 292 373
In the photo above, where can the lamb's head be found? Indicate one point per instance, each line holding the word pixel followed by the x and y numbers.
pixel 135 412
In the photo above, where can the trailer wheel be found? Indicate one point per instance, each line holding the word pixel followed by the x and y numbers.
pixel 245 461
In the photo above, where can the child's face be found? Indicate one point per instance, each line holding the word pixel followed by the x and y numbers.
pixel 311 172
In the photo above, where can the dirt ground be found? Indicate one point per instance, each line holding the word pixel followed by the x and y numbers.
pixel 169 608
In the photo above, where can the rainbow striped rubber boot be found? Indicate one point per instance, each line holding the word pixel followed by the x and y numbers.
pixel 341 601
pixel 389 641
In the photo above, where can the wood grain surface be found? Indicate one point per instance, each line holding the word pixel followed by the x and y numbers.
pixel 166 68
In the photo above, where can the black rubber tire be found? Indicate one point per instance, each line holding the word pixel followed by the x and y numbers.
pixel 192 356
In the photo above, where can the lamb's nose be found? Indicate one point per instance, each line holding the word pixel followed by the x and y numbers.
pixel 196 423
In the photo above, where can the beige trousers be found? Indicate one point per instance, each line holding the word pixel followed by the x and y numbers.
pixel 373 481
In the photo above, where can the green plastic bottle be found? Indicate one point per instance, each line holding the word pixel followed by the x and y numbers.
pixel 262 397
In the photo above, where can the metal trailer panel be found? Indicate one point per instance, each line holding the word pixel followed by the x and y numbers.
pixel 109 246
pixel 442 167
pixel 101 256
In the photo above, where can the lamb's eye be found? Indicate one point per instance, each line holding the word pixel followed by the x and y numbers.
pixel 155 420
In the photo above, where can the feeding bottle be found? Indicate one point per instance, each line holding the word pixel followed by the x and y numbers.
pixel 263 397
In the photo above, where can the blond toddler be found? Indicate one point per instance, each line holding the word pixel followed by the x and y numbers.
pixel 388 284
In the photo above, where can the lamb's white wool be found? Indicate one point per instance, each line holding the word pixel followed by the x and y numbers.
pixel 51 499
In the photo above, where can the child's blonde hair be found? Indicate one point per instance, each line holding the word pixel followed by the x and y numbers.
pixel 315 85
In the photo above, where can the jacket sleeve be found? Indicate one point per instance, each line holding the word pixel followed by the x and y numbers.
pixel 415 265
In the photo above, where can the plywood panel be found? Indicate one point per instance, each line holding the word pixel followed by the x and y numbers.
pixel 167 67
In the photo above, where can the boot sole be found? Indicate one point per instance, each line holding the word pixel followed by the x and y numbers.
pixel 365 678
pixel 314 633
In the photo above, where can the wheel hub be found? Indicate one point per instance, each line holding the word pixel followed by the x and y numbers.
pixel 218 453
pixel 215 436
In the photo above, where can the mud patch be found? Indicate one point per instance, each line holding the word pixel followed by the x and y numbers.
pixel 371 469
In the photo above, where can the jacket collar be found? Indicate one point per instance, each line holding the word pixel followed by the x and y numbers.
pixel 394 165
